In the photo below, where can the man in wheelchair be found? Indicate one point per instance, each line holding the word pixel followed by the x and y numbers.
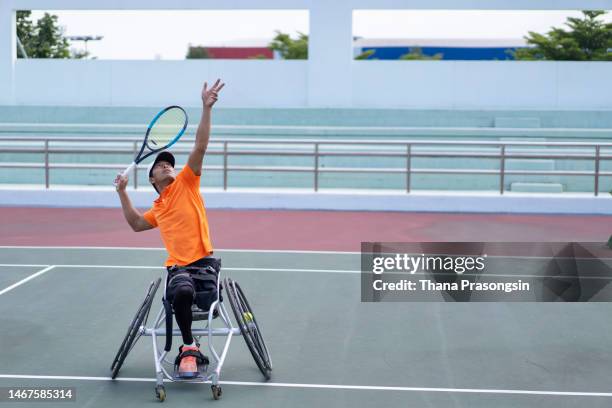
pixel 180 214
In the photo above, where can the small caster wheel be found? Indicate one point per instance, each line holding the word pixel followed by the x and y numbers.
pixel 160 393
pixel 216 391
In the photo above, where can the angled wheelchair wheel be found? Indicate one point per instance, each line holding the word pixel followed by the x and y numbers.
pixel 249 328
pixel 133 333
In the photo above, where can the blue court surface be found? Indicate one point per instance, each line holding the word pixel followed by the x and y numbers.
pixel 64 312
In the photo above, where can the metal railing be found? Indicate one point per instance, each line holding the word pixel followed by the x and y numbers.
pixel 317 149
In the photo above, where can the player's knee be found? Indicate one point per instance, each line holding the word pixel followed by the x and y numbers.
pixel 184 294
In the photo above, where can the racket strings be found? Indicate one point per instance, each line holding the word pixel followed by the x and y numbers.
pixel 166 128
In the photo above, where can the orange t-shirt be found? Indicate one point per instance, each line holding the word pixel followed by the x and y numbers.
pixel 180 215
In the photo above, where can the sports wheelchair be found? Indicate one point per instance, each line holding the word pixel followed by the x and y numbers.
pixel 247 324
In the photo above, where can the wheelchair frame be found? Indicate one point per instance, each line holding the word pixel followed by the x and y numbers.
pixel 247 327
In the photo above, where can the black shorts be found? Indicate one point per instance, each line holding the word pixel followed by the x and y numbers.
pixel 200 277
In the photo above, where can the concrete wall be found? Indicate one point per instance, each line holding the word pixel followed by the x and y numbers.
pixel 482 84
pixel 285 84
pixel 512 203
pixel 261 83
pixel 328 79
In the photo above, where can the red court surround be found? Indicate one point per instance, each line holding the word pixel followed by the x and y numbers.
pixel 298 230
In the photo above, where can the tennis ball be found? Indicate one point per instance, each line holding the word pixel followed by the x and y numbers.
pixel 248 317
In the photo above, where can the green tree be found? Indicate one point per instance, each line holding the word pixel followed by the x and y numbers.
pixel 50 42
pixel 588 39
pixel 25 31
pixel 290 48
pixel 197 53
pixel 416 53
pixel 45 39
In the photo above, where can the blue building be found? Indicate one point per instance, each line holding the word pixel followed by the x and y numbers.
pixel 449 49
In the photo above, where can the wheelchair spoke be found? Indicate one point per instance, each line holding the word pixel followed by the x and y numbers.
pixel 254 328
pixel 133 333
pixel 248 327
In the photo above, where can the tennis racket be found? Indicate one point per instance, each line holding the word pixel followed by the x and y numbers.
pixel 165 129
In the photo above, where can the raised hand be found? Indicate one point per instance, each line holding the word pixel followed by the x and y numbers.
pixel 209 96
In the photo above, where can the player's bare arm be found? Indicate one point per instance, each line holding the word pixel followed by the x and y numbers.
pixel 131 214
pixel 209 97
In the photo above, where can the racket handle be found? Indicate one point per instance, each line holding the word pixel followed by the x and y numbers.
pixel 126 171
pixel 129 168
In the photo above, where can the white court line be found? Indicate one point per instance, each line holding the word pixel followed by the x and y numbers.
pixel 224 268
pixel 25 265
pixel 265 251
pixel 347 271
pixel 288 251
pixel 292 270
pixel 24 280
pixel 331 386
pixel 291 251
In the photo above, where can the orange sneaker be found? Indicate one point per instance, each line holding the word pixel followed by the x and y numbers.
pixel 188 367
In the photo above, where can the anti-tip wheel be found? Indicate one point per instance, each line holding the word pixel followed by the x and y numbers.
pixel 216 391
pixel 160 393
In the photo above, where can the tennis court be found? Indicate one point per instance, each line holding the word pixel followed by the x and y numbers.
pixel 66 309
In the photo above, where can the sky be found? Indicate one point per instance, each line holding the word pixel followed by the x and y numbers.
pixel 167 34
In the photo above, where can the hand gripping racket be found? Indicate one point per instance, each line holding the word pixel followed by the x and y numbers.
pixel 165 129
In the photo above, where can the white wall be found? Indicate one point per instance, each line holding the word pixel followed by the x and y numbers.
pixel 328 79
pixel 250 83
pixel 8 50
pixel 482 84
pixel 346 200
pixel 285 84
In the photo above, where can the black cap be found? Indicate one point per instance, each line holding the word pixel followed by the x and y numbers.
pixel 163 156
